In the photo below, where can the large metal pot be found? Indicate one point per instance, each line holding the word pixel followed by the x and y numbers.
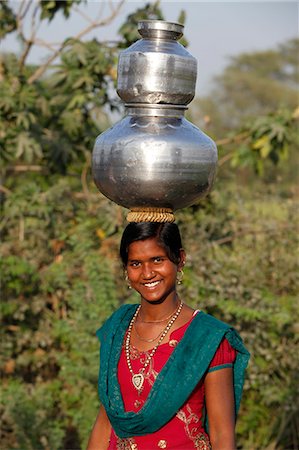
pixel 154 157
pixel 157 69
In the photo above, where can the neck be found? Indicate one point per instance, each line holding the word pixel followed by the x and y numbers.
pixel 158 311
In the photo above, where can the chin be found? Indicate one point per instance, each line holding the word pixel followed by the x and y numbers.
pixel 155 299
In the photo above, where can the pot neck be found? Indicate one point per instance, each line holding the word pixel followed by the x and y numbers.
pixel 155 110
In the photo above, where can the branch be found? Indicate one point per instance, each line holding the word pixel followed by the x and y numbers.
pixel 225 158
pixel 82 14
pixel 5 190
pixel 101 23
pixel 24 55
pixel 26 168
pixel 232 140
pixel 236 138
pixel 100 12
pixel 21 14
pixel 29 42
pixel 42 69
pixel 43 43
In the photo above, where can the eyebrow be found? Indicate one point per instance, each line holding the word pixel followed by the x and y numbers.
pixel 151 258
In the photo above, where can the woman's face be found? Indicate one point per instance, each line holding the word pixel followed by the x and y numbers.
pixel 150 271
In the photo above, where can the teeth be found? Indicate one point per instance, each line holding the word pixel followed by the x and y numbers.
pixel 154 283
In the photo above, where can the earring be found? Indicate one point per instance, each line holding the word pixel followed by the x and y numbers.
pixel 180 276
pixel 127 280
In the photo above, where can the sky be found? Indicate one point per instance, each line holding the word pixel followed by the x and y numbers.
pixel 216 31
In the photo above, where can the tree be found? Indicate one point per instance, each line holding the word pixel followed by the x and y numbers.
pixel 60 274
pixel 59 271
pixel 252 84
pixel 253 109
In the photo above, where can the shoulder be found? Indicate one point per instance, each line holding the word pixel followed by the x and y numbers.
pixel 215 327
pixel 115 318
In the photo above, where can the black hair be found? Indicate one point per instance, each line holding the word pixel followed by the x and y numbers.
pixel 167 234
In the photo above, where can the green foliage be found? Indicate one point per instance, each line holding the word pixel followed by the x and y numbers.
pixel 252 84
pixel 37 407
pixel 241 269
pixel 255 106
pixel 46 123
pixel 151 11
pixel 49 8
pixel 8 21
pixel 269 138
pixel 129 30
pixel 58 289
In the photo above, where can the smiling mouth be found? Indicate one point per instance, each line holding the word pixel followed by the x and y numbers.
pixel 151 284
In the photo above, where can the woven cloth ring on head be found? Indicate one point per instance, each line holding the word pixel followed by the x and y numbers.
pixel 149 214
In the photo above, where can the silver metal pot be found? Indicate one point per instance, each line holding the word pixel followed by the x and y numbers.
pixel 154 157
pixel 157 69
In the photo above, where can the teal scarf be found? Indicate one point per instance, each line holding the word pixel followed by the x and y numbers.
pixel 188 363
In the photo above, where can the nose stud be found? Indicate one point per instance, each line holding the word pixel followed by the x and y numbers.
pixel 149 274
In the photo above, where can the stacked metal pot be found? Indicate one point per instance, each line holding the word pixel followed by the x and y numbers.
pixel 154 161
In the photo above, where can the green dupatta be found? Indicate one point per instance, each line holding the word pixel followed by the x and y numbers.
pixel 187 364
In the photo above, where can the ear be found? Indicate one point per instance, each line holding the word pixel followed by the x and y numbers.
pixel 182 259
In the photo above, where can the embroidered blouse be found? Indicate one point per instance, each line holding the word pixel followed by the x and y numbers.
pixel 185 430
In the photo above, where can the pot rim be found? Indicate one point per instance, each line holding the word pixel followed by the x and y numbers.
pixel 160 29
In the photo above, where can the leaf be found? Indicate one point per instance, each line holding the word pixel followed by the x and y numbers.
pixel 8 22
pixel 27 147
pixel 265 150
pixel 261 142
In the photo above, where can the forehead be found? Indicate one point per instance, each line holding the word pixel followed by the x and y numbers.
pixel 146 248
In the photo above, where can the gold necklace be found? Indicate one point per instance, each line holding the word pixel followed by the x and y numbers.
pixel 138 378
pixel 158 321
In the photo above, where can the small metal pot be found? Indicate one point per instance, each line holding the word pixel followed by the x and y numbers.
pixel 157 69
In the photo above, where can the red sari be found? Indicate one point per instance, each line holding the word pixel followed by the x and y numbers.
pixel 185 430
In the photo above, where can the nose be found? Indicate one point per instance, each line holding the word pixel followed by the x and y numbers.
pixel 148 272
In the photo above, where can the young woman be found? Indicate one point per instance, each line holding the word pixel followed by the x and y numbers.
pixel 171 377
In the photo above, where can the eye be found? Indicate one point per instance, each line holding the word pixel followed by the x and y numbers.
pixel 158 260
pixel 134 264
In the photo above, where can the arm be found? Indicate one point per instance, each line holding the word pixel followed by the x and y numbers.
pixel 220 404
pixel 100 435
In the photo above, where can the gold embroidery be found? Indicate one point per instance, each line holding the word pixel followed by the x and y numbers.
pixel 200 440
pixel 162 443
pixel 137 403
pixel 126 444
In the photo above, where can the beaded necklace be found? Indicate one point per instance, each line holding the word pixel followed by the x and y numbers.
pixel 138 378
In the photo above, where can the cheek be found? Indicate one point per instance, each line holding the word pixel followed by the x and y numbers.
pixel 132 273
pixel 169 272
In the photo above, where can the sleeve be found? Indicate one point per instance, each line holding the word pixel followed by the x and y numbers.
pixel 224 357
